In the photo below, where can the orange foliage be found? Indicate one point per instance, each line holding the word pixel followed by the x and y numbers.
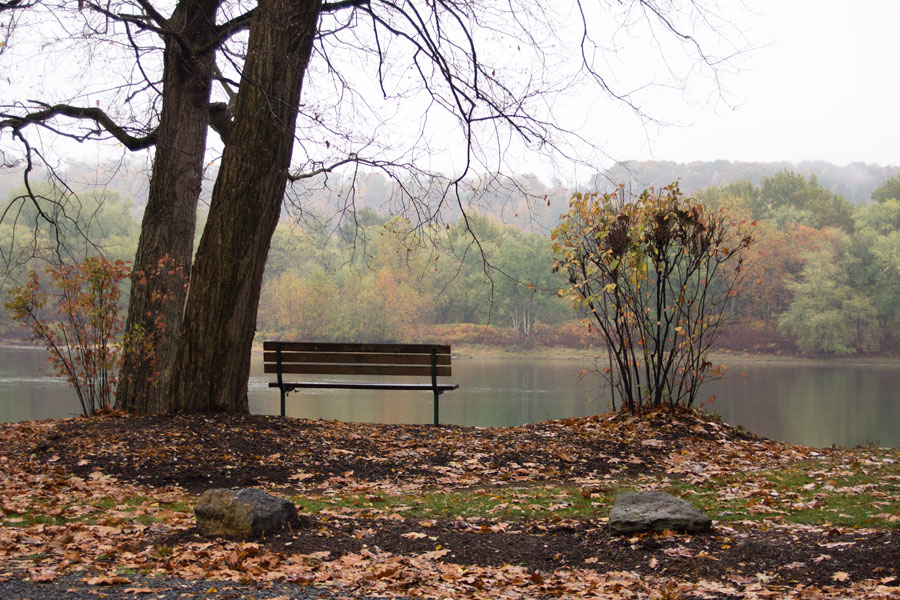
pixel 572 335
pixel 773 263
pixel 403 309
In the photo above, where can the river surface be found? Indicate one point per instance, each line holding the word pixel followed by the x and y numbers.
pixel 815 404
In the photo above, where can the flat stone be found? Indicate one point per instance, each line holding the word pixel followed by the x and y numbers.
pixel 635 512
pixel 245 514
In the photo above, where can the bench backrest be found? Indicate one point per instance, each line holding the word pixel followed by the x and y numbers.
pixel 356 359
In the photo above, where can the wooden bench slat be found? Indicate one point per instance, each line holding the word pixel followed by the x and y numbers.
pixel 339 347
pixel 355 358
pixel 386 360
pixel 367 385
pixel 333 369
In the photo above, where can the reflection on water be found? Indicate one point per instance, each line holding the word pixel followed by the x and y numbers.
pixel 26 394
pixel 493 392
pixel 815 405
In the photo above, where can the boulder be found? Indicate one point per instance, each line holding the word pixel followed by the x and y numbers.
pixel 655 511
pixel 245 514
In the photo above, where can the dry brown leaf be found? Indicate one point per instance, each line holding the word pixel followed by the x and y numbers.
pixel 107 580
pixel 435 554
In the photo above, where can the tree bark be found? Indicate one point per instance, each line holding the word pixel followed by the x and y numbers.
pixel 163 260
pixel 212 365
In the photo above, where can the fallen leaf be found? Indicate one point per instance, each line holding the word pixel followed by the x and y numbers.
pixel 680 552
pixel 107 580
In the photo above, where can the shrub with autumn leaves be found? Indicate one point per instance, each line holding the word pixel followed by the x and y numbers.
pixel 654 275
pixel 75 313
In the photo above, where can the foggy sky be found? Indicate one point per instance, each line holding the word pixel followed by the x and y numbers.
pixel 821 85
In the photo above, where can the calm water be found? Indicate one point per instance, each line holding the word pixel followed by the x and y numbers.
pixel 816 405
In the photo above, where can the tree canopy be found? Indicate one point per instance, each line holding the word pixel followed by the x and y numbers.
pixel 889 190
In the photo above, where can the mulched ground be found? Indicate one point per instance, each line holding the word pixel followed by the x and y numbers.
pixel 289 455
pixel 205 451
pixel 735 554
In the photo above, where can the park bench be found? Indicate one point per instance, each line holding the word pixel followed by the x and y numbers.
pixel 383 360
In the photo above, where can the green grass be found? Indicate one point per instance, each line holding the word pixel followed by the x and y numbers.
pixel 176 506
pixel 147 519
pixel 29 519
pixel 861 492
pixel 850 488
pixel 97 510
pixel 820 493
pixel 511 503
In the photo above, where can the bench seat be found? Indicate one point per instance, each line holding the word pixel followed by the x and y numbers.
pixel 384 360
pixel 368 385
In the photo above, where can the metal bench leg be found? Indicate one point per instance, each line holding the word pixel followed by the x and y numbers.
pixel 437 419
pixel 437 393
pixel 280 380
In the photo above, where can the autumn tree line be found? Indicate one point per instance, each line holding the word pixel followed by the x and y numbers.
pixel 822 274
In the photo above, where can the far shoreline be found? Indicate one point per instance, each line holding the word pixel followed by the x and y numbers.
pixel 717 357
pixel 480 351
pixel 558 353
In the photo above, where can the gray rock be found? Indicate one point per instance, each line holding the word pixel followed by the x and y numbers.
pixel 248 513
pixel 655 511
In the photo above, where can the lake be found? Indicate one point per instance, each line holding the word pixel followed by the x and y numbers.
pixel 815 404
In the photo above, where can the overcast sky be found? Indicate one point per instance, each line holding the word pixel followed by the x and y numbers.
pixel 820 82
pixel 824 84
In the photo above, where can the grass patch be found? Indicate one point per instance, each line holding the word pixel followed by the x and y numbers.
pixel 132 509
pixel 513 503
pixel 147 519
pixel 28 519
pixel 861 492
pixel 175 506
pixel 106 503
pixel 855 489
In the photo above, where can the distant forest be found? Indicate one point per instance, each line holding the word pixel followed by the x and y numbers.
pixel 854 182
pixel 823 277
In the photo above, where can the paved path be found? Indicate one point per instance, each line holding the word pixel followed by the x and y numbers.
pixel 72 588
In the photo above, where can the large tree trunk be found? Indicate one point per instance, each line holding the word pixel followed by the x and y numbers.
pixel 212 365
pixel 163 261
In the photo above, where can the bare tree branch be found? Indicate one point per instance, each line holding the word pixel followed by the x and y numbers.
pixel 335 6
pixel 139 21
pixel 228 29
pixel 151 11
pixel 16 123
pixel 14 4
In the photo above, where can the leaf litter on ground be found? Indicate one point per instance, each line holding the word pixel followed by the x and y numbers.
pixel 437 511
